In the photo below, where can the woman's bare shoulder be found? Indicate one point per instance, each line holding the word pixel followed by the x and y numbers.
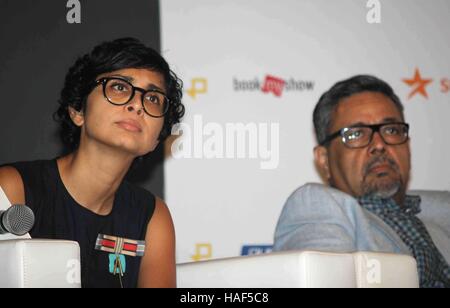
pixel 12 184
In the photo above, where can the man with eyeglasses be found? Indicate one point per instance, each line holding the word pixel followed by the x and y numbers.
pixel 364 156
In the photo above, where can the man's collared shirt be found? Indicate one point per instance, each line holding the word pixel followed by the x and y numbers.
pixel 433 269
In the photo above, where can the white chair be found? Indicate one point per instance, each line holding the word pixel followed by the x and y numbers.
pixel 39 264
pixel 302 269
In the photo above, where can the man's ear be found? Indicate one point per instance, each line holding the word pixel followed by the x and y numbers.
pixel 76 116
pixel 322 162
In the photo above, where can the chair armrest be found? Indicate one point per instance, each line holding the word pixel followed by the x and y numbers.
pixel 39 264
pixel 302 269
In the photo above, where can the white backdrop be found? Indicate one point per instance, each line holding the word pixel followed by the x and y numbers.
pixel 226 50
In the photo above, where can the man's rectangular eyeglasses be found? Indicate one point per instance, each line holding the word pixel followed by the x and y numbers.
pixel 360 136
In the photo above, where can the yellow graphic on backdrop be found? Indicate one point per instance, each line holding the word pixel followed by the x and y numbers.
pixel 199 86
pixel 202 252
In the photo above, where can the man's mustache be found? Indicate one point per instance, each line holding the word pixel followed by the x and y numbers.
pixel 378 160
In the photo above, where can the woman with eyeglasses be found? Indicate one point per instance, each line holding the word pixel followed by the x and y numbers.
pixel 118 103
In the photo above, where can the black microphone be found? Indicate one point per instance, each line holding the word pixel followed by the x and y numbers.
pixel 17 220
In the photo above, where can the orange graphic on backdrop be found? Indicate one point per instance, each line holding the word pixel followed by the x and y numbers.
pixel 419 84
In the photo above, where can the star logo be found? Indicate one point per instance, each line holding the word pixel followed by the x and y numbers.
pixel 419 84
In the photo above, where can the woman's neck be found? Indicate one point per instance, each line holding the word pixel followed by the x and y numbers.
pixel 92 177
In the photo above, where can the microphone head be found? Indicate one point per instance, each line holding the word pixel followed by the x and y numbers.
pixel 18 220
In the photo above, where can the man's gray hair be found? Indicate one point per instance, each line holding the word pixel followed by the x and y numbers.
pixel 328 102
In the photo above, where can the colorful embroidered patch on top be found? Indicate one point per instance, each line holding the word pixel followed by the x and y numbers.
pixel 120 246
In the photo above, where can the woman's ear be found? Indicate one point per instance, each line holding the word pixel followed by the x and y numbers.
pixel 76 116
pixel 322 162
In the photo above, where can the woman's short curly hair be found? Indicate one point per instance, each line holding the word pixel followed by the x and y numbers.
pixel 108 57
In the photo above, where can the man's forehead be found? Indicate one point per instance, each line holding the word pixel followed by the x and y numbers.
pixel 367 108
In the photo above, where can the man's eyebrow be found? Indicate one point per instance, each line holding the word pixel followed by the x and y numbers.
pixel 391 120
pixel 358 124
pixel 384 121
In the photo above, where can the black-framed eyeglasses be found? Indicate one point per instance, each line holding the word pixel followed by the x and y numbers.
pixel 119 91
pixel 360 136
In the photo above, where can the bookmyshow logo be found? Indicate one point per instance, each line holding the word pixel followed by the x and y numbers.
pixel 273 85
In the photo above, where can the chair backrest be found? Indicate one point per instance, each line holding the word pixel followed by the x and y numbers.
pixel 302 269
pixel 40 264
pixel 435 215
pixel 435 206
